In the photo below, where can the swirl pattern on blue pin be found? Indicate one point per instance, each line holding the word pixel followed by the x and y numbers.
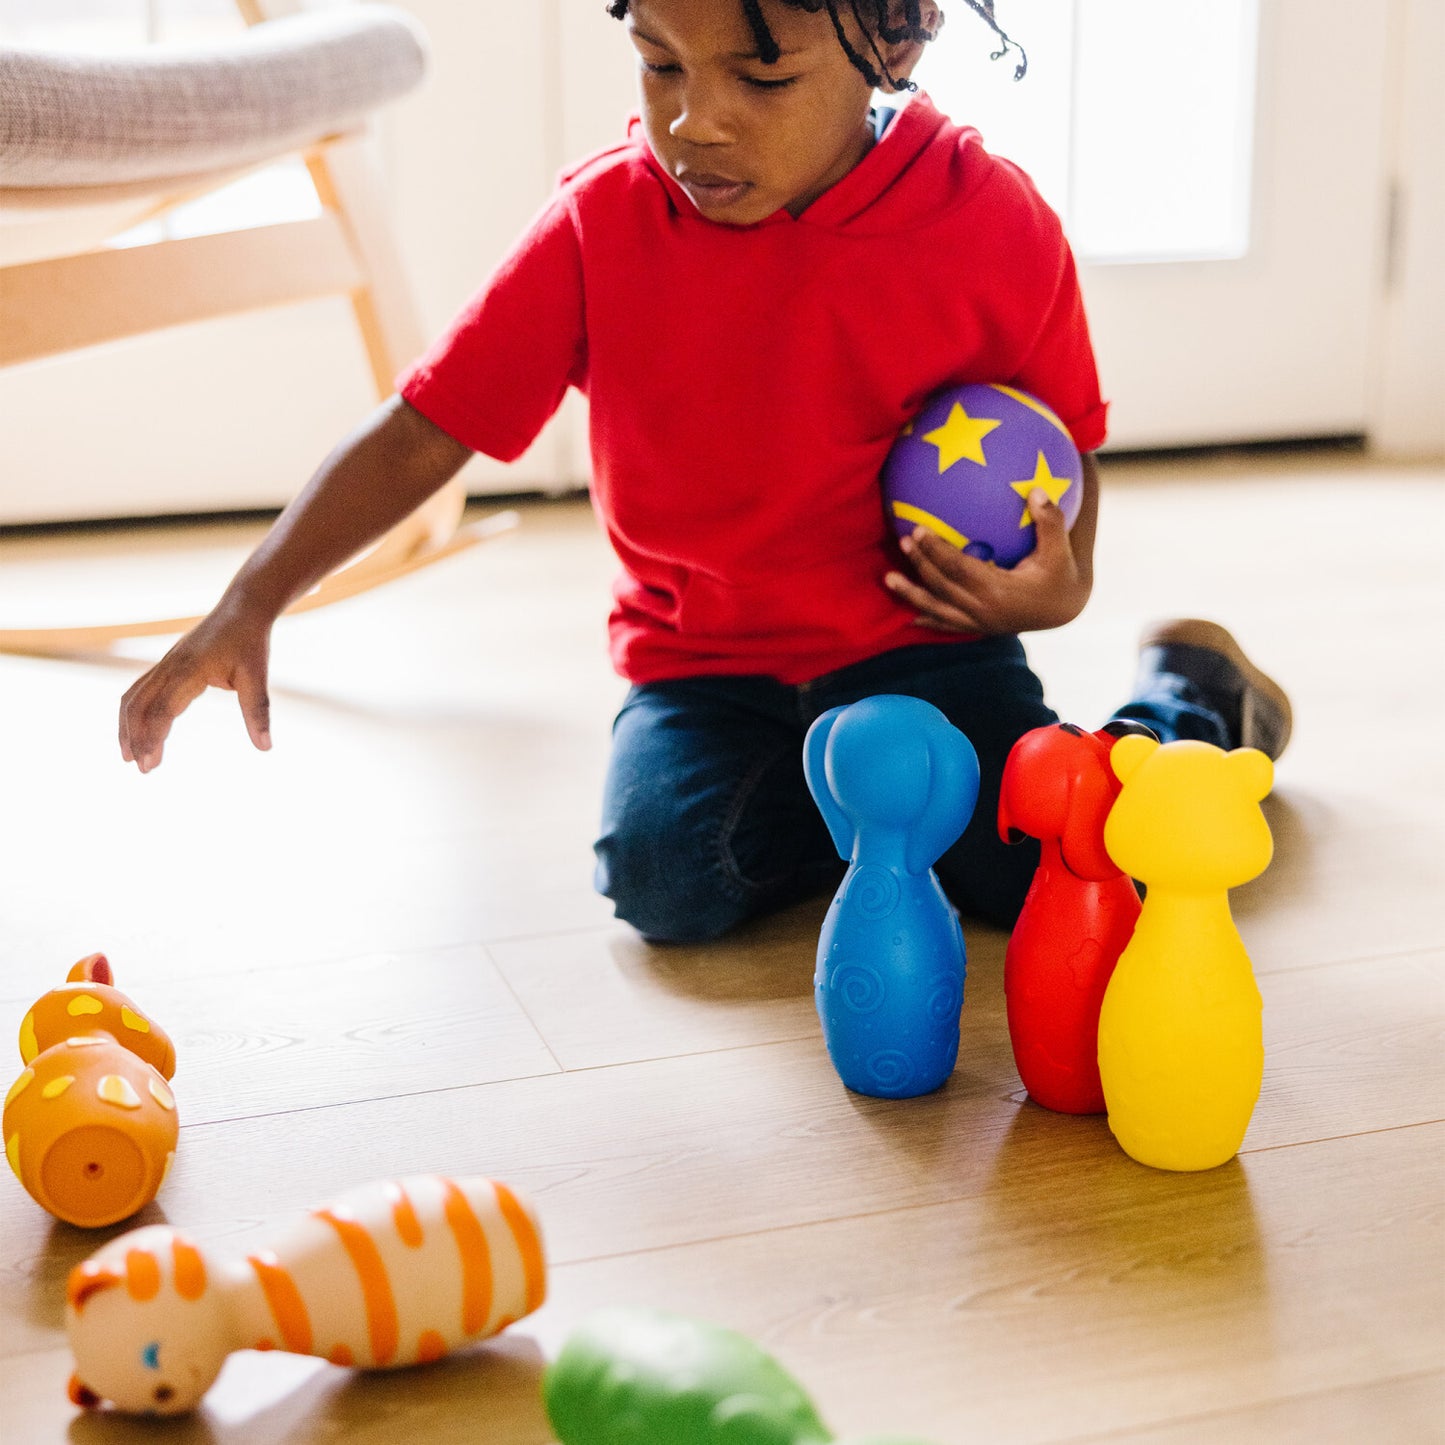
pixel 859 987
pixel 945 998
pixel 873 891
pixel 890 1069
pixel 896 783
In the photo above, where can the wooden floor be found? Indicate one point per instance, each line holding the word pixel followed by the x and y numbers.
pixel 378 951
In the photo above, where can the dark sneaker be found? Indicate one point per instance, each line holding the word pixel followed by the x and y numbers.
pixel 1254 705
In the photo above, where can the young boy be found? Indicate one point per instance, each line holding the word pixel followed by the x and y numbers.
pixel 757 290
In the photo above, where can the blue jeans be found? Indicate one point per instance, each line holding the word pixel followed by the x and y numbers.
pixel 707 819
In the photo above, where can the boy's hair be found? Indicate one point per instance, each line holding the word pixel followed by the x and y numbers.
pixel 874 19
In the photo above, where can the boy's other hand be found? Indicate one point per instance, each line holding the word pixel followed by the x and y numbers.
pixel 954 592
pixel 226 649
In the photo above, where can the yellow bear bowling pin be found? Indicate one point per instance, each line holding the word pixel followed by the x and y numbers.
pixel 1181 1046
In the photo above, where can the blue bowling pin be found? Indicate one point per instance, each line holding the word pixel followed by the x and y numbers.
pixel 896 784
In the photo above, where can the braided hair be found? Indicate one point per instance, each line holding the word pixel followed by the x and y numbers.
pixel 873 18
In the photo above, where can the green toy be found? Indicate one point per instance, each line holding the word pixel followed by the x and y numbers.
pixel 638 1376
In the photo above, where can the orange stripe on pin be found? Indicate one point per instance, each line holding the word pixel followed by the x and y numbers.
pixel 142 1274
pixel 288 1309
pixel 476 1257
pixel 189 1269
pixel 529 1246
pixel 403 1215
pixel 381 1321
pixel 88 1279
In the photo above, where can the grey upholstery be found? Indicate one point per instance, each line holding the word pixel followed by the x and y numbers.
pixel 167 111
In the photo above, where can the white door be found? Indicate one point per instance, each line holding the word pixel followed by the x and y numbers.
pixel 1220 168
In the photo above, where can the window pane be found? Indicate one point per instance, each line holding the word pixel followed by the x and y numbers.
pixel 1163 129
pixel 1136 117
pixel 1029 121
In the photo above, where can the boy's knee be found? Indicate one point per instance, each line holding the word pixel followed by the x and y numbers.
pixel 660 895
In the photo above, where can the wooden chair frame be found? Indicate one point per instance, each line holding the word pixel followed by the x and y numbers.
pixel 93 296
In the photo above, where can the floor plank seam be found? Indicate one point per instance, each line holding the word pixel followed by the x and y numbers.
pixel 1423 951
pixel 524 1011
pixel 372 1099
pixel 21 1002
pixel 493 1083
pixel 821 1221
pixel 1339 1138
pixel 693 1053
pixel 1166 1421
pixel 545 935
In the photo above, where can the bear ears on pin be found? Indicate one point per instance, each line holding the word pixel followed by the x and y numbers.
pixel 1250 769
pixel 1129 752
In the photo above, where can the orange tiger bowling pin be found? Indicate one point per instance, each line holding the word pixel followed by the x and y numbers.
pixel 393 1273
pixel 90 1125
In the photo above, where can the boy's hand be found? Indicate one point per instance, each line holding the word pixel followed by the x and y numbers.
pixel 225 649
pixel 958 593
pixel 387 467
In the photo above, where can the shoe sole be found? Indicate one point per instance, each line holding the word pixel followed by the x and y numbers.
pixel 1196 632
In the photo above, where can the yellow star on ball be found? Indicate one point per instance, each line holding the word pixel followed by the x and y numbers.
pixel 960 437
pixel 1045 481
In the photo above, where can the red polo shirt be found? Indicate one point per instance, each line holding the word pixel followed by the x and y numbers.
pixel 746 383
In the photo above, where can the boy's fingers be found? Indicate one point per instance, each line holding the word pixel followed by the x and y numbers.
pixel 255 708
pixel 939 564
pixel 148 735
pixel 147 712
pixel 124 732
pixel 1049 525
pixel 936 612
pixel 149 731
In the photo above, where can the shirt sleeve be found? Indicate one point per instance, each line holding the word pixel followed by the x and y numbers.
pixel 500 370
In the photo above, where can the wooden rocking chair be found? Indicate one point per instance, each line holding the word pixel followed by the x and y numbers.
pixel 91 146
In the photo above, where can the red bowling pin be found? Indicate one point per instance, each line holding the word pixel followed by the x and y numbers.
pixel 1079 914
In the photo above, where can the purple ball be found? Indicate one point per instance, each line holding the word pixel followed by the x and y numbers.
pixel 965 467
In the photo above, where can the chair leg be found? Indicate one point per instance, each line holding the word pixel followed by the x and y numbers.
pixel 385 309
pixel 391 331
pixel 361 576
pixel 386 316
pixel 392 336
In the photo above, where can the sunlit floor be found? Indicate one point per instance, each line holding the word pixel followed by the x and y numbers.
pixel 379 954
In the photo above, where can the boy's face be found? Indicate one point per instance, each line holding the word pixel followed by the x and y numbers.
pixel 745 139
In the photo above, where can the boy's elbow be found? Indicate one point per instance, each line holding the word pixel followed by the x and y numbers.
pixel 439 450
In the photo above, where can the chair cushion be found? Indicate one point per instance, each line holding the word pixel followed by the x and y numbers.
pixel 163 110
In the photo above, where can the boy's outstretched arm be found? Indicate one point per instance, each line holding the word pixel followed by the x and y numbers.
pixel 958 593
pixel 383 471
